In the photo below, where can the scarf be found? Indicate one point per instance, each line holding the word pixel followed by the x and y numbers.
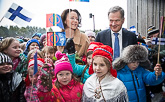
pixel 109 89
pixel 16 62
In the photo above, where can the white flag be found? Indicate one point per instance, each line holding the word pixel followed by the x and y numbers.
pixel 19 15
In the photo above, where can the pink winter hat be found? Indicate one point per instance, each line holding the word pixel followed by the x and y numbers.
pixel 62 63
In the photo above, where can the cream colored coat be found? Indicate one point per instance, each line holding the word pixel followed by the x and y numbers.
pixel 81 42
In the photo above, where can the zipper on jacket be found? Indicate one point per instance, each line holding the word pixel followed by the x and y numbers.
pixel 137 80
pixel 135 86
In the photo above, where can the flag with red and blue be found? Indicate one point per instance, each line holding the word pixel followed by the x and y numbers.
pixel 54 20
pixel 56 39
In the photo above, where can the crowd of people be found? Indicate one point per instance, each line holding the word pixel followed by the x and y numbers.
pixel 113 65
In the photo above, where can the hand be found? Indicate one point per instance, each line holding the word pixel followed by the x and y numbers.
pixel 158 69
pixel 44 80
pixel 48 60
pixel 69 47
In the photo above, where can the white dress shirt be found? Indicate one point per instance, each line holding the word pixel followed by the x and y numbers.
pixel 120 40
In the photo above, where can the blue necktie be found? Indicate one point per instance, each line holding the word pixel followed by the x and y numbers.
pixel 116 46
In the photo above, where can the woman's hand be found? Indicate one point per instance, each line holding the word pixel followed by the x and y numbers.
pixel 70 47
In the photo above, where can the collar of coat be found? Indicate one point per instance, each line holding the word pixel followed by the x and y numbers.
pixel 70 85
pixel 77 37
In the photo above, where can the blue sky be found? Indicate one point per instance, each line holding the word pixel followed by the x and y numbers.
pixel 40 8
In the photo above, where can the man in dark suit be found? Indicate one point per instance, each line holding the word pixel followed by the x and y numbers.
pixel 125 37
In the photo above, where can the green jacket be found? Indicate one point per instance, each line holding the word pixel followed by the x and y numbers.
pixel 162 49
pixel 78 69
pixel 22 65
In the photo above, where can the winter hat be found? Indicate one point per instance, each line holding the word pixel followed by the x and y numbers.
pixel 20 40
pixel 132 53
pixel 40 62
pixel 90 48
pixel 93 44
pixel 31 41
pixel 62 63
pixel 90 33
pixel 28 44
pixel 42 38
pixel 36 34
pixel 5 59
pixel 106 52
pixel 152 30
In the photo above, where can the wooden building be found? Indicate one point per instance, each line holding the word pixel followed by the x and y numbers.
pixel 144 13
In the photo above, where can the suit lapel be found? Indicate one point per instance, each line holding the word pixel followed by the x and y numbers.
pixel 108 37
pixel 125 38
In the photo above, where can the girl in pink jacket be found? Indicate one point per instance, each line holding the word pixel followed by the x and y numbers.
pixel 66 88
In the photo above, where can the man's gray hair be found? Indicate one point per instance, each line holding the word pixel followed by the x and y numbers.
pixel 116 9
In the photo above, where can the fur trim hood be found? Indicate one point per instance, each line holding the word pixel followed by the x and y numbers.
pixel 132 53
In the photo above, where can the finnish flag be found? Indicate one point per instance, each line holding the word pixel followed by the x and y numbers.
pixel 156 41
pixel 19 15
pixel 133 29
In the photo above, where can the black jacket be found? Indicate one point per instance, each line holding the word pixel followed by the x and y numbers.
pixel 12 87
pixel 128 38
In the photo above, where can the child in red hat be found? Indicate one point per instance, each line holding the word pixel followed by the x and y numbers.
pixel 30 78
pixel 82 70
pixel 66 88
pixel 103 85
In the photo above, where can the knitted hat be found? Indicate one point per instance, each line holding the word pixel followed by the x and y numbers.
pixel 36 34
pixel 90 33
pixel 132 53
pixel 106 52
pixel 42 38
pixel 5 59
pixel 20 40
pixel 31 41
pixel 28 44
pixel 62 63
pixel 92 45
pixel 152 30
pixel 40 62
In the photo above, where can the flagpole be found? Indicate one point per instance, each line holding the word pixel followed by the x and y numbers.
pixel 69 22
pixel 32 80
pixel 158 53
pixel 46 45
pixel 160 33
pixel 1 19
pixel 31 89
